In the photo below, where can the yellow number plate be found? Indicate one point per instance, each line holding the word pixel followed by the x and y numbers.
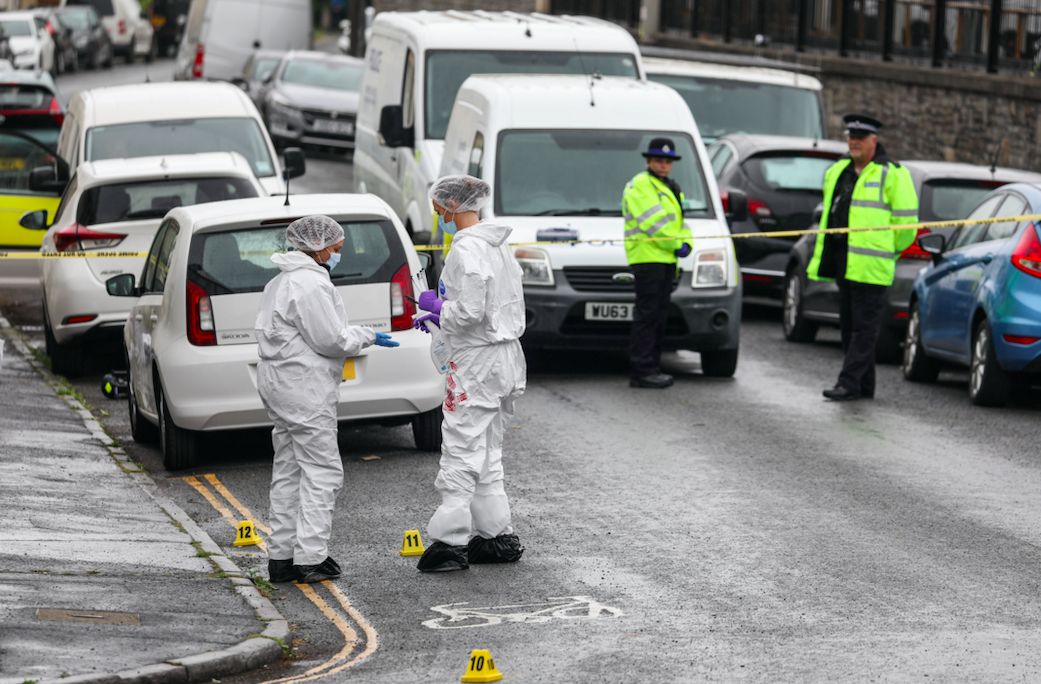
pixel 348 369
pixel 11 163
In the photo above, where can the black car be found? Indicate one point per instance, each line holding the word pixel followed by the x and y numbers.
pixel 783 178
pixel 89 37
pixel 65 58
pixel 255 79
pixel 946 191
pixel 313 100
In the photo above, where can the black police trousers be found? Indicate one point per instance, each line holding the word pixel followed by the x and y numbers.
pixel 860 317
pixel 653 288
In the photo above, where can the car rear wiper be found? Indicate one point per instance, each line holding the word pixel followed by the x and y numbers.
pixel 591 211
pixel 146 213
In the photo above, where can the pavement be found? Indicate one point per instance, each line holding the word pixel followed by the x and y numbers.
pixel 103 578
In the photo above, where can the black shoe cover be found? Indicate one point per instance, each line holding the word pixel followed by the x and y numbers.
pixel 282 571
pixel 506 548
pixel 326 570
pixel 440 557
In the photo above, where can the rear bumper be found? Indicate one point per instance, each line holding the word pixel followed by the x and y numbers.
pixel 699 319
pixel 215 388
pixel 71 289
pixel 1021 316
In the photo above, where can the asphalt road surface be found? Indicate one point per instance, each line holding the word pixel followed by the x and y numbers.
pixel 721 530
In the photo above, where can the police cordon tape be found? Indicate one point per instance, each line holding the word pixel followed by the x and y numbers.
pixel 431 248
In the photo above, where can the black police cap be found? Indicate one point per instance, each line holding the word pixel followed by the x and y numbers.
pixel 662 147
pixel 861 124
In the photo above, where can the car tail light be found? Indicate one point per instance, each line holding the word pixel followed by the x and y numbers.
pixel 55 111
pixel 86 318
pixel 760 211
pixel 725 196
pixel 1027 255
pixel 401 309
pixel 122 26
pixel 1020 339
pixel 201 331
pixel 77 238
pixel 50 28
pixel 200 55
pixel 914 251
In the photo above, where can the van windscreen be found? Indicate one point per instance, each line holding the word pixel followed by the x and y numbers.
pixel 236 261
pixel 102 7
pixel 584 172
pixel 447 69
pixel 722 106
pixel 185 136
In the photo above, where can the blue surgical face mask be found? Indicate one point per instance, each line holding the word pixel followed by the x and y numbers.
pixel 447 227
pixel 334 258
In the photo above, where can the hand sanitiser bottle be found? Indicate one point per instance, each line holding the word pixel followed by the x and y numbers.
pixel 438 350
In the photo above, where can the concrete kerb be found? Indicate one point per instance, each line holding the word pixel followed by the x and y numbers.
pixel 255 651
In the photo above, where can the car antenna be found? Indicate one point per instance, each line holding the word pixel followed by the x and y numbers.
pixel 592 77
pixel 285 176
pixel 994 159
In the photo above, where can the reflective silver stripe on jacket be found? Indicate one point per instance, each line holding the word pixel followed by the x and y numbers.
pixel 649 213
pixel 864 251
pixel 661 223
pixel 870 204
pixel 905 212
pixel 882 185
pixel 632 232
pixel 872 185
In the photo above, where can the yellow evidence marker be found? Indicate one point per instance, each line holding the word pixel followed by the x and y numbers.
pixel 481 668
pixel 247 535
pixel 412 545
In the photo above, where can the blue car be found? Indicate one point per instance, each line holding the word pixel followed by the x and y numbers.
pixel 978 303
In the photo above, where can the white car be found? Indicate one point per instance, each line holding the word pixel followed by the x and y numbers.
pixel 30 42
pixel 190 340
pixel 148 119
pixel 111 206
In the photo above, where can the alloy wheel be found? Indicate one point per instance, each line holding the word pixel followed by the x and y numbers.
pixel 979 361
pixel 791 303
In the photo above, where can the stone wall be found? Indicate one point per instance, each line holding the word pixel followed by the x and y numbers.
pixel 490 5
pixel 939 114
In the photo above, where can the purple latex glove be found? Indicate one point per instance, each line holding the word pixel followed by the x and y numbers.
pixel 428 301
pixel 417 324
pixel 683 251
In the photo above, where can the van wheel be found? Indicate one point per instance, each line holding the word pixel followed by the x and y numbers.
pixel 720 363
pixel 426 430
pixel 989 383
pixel 917 366
pixel 141 430
pixel 108 60
pixel 180 447
pixel 66 359
pixel 887 349
pixel 796 327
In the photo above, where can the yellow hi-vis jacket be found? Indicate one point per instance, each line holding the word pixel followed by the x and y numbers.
pixel 650 210
pixel 884 195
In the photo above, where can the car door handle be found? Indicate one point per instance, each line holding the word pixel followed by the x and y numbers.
pixel 394 157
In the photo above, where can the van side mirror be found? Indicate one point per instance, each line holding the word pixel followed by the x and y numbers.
pixel 45 179
pixel 34 220
pixel 737 206
pixel 392 131
pixel 121 285
pixel 241 83
pixel 933 244
pixel 294 164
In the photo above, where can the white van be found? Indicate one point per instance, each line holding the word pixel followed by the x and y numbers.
pixel 415 63
pixel 128 27
pixel 222 34
pixel 728 98
pixel 151 119
pixel 558 152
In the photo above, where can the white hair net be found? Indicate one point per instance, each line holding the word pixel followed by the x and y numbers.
pixel 314 233
pixel 463 192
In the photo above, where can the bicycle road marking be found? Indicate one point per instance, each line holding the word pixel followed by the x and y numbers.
pixel 349 633
pixel 554 607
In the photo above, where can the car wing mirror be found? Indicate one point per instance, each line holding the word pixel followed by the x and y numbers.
pixel 392 131
pixel 45 179
pixel 933 244
pixel 34 220
pixel 294 164
pixel 737 206
pixel 121 285
pixel 241 83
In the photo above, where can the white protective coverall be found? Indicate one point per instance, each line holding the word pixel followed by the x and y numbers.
pixel 303 340
pixel 482 320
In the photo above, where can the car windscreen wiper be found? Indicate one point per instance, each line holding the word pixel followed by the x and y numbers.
pixel 591 211
pixel 146 213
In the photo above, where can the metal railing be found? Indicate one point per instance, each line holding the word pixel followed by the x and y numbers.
pixel 943 33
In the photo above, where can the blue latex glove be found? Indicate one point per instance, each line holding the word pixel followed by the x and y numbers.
pixel 683 251
pixel 384 340
pixel 417 324
pixel 428 301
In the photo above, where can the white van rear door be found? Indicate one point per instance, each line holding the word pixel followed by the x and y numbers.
pixel 228 38
pixel 284 25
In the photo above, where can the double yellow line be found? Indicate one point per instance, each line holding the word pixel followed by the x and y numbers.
pixel 621 241
pixel 342 659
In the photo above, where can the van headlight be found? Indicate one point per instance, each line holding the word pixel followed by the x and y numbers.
pixel 710 268
pixel 535 266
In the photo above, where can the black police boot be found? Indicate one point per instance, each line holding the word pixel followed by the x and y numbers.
pixel 840 393
pixel 440 557
pixel 326 570
pixel 656 381
pixel 282 571
pixel 506 548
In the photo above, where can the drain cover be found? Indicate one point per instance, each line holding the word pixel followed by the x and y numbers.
pixel 103 617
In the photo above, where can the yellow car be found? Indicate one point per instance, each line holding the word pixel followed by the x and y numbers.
pixel 28 182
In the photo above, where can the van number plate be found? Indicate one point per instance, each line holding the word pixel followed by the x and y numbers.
pixel 334 127
pixel 608 311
